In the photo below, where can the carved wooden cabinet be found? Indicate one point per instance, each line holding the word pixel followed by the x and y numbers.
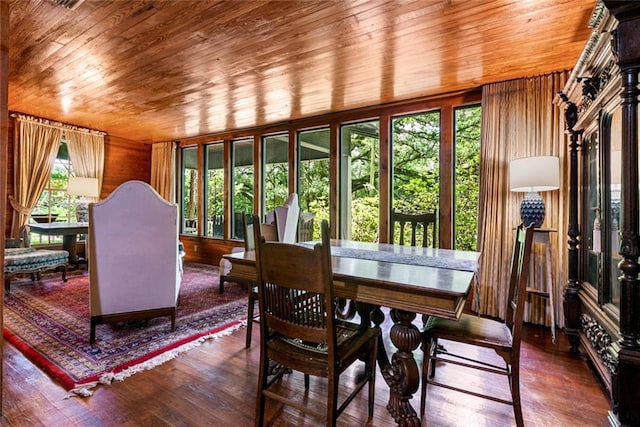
pixel 602 296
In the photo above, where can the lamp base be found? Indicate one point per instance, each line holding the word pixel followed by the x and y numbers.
pixel 82 211
pixel 532 210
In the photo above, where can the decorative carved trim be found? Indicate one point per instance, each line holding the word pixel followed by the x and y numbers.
pixel 593 86
pixel 597 15
pixel 600 341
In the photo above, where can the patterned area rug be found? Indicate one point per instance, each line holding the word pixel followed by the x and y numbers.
pixel 48 321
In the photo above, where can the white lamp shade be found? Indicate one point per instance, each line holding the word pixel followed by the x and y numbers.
pixel 86 187
pixel 531 174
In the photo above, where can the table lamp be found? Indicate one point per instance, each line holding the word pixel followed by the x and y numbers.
pixel 83 187
pixel 532 175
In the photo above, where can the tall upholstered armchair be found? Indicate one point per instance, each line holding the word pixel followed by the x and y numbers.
pixel 286 219
pixel 134 258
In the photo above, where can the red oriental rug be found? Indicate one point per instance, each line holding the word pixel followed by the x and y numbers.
pixel 48 321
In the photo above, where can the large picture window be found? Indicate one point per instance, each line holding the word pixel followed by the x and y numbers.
pixel 359 181
pixel 467 177
pixel 242 185
pixel 415 153
pixel 313 175
pixel 189 190
pixel 214 159
pixel 275 171
pixel 54 205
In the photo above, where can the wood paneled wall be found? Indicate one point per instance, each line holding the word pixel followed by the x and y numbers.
pixel 124 160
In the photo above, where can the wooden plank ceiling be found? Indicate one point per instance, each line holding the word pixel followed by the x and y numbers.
pixel 156 70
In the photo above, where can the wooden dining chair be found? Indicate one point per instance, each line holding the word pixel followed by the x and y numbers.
pixel 415 222
pixel 299 330
pixel 270 233
pixel 503 337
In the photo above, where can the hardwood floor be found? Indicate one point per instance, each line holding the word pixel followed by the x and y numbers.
pixel 215 385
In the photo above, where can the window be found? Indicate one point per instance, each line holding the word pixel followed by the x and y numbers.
pixel 420 159
pixel 214 159
pixel 189 190
pixel 313 175
pixel 467 177
pixel 359 188
pixel 275 171
pixel 242 185
pixel 54 205
pixel 415 153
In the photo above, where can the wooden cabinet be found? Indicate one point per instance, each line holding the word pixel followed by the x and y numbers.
pixel 602 296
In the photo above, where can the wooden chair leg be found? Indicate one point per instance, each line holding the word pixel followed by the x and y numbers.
pixel 7 284
pixel 435 347
pixel 332 400
pixel 262 384
pixel 371 372
pixel 514 380
pixel 428 370
pixel 221 284
pixel 92 332
pixel 249 319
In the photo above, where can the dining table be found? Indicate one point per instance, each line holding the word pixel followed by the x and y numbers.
pixel 408 280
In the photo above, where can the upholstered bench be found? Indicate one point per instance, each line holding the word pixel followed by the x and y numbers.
pixel 32 261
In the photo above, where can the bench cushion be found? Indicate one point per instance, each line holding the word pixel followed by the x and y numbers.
pixel 31 259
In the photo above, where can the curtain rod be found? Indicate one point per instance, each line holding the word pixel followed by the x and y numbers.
pixel 56 125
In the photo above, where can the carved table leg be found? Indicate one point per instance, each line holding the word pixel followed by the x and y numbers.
pixel 401 374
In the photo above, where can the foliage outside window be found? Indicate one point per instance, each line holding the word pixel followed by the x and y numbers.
pixel 189 190
pixel 359 181
pixel 275 171
pixel 242 186
pixel 54 205
pixel 467 177
pixel 214 159
pixel 313 175
pixel 416 166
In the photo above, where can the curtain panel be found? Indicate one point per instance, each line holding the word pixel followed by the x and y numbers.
pixel 36 143
pixel 86 151
pixel 520 120
pixel 163 163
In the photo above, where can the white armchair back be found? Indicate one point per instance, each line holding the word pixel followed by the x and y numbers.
pixel 286 219
pixel 134 264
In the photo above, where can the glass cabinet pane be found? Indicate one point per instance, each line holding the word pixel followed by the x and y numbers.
pixel 592 236
pixel 615 179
